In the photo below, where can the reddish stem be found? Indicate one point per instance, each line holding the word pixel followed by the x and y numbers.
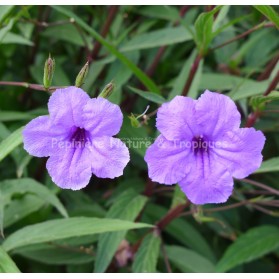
pixel 171 215
pixel 192 74
pixel 252 118
pixel 111 15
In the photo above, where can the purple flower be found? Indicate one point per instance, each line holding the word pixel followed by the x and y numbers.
pixel 202 148
pixel 77 136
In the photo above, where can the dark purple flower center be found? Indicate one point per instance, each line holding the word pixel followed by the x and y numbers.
pixel 79 135
pixel 200 144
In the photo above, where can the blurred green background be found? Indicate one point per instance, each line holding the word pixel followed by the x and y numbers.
pixel 149 53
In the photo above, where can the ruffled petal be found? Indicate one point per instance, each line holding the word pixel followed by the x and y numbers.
pixel 176 119
pixel 102 118
pixel 70 168
pixel 40 136
pixel 168 161
pixel 216 114
pixel 208 182
pixel 240 151
pixel 110 156
pixel 66 106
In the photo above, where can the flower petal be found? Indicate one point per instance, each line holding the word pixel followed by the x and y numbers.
pixel 168 161
pixel 175 119
pixel 208 182
pixel 216 114
pixel 102 118
pixel 70 168
pixel 241 151
pixel 66 106
pixel 110 156
pixel 40 135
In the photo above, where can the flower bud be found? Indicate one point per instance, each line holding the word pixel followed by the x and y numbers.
pixel 48 72
pixel 107 91
pixel 82 75
pixel 134 121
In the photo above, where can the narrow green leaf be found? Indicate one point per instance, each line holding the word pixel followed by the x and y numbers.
pixel 6 263
pixel 178 197
pixel 177 228
pixel 204 32
pixel 27 185
pixel 252 245
pixel 269 13
pixel 179 82
pixel 147 256
pixel 11 38
pixel 10 143
pixel 14 115
pixel 270 165
pixel 127 207
pixel 65 228
pixel 150 96
pixel 188 260
pixel 161 37
pixel 259 102
pixel 137 71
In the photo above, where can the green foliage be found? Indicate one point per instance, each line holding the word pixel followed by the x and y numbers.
pixel 250 246
pixel 126 207
pixel 140 57
pixel 65 228
pixel 270 13
pixel 147 255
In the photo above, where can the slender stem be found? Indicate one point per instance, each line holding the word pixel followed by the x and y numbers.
pixel 269 68
pixel 30 85
pixel 192 74
pixel 252 118
pixel 261 185
pixel 111 15
pixel 269 24
pixel 166 259
pixel 148 191
pixel 171 215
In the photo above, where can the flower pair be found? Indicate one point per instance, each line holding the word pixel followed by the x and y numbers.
pixel 201 146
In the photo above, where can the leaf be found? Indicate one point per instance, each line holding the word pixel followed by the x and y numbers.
pixel 269 12
pixel 204 32
pixel 252 245
pixel 135 138
pixel 188 260
pixel 162 12
pixel 126 207
pixel 137 71
pixel 270 165
pixel 178 197
pixel 182 77
pixel 150 96
pixel 14 115
pixel 12 38
pixel 69 251
pixel 27 185
pixel 177 228
pixel 6 263
pixel 65 228
pixel 259 102
pixel 147 256
pixel 10 143
pixel 158 38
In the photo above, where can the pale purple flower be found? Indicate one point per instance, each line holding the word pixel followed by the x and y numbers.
pixel 77 136
pixel 202 148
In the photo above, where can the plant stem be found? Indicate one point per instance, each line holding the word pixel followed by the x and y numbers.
pixel 111 15
pixel 261 185
pixel 30 85
pixel 171 215
pixel 269 24
pixel 192 74
pixel 252 118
